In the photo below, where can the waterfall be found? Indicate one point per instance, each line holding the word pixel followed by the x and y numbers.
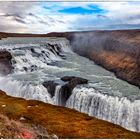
pixel 34 58
pixel 27 91
pixel 30 57
pixel 117 110
pixel 57 96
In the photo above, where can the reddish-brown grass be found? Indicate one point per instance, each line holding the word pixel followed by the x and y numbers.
pixel 64 122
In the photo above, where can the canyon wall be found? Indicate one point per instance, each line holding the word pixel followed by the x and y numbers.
pixel 117 51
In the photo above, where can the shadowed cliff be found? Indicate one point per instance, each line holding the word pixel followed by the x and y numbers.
pixel 117 51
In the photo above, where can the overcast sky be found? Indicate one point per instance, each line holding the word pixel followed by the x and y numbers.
pixel 44 17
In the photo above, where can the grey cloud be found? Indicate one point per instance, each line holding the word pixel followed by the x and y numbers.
pixel 102 16
pixel 15 17
pixel 60 21
pixel 17 8
pixel 124 26
pixel 19 20
pixel 33 15
pixel 44 22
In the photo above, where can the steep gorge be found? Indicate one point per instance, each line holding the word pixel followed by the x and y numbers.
pixel 117 51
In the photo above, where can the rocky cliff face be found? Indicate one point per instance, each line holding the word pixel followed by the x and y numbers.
pixel 5 62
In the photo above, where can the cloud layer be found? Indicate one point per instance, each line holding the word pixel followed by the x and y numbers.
pixel 44 17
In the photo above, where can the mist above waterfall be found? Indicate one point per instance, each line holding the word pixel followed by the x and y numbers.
pixel 84 43
pixel 115 51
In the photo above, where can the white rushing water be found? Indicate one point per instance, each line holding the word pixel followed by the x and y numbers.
pixel 27 91
pixel 114 109
pixel 36 60
pixel 57 96
pixel 34 57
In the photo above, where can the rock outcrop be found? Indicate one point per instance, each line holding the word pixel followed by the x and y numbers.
pixel 66 90
pixel 17 129
pixel 5 62
pixel 50 85
pixel 76 80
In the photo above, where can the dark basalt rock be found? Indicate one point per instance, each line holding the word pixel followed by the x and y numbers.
pixel 5 62
pixel 66 90
pixel 25 68
pixel 32 50
pixel 77 80
pixel 5 55
pixel 67 78
pixel 50 85
pixel 33 67
pixel 55 49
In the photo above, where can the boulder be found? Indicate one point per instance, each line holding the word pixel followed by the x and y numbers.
pixel 50 85
pixel 67 78
pixel 5 55
pixel 74 79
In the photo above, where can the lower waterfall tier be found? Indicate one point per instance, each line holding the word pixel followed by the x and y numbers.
pixel 114 109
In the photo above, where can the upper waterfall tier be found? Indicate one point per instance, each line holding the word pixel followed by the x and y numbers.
pixel 33 56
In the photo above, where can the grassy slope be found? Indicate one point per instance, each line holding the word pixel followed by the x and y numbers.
pixel 64 122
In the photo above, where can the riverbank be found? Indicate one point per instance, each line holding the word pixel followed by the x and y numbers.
pixel 61 121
